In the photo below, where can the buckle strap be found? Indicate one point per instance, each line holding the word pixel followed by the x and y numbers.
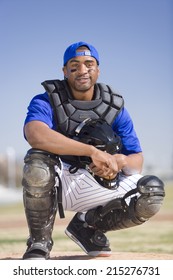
pixel 45 246
pixel 59 197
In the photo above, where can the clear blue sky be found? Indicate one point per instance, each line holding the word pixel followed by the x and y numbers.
pixel 135 43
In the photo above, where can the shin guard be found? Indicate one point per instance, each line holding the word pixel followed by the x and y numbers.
pixel 40 199
pixel 118 215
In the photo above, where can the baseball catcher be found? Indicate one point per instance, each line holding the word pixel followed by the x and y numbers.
pixel 85 157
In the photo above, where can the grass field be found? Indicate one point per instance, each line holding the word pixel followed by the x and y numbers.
pixel 155 236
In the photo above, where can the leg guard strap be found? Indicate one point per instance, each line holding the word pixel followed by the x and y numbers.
pixel 117 218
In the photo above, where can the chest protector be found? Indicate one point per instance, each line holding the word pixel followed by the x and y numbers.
pixel 69 113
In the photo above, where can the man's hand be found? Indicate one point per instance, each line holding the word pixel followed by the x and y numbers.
pixel 103 164
pixel 99 172
pixel 129 165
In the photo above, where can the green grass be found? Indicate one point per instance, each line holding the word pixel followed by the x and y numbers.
pixel 145 238
pixel 168 201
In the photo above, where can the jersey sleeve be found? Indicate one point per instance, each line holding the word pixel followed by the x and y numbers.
pixel 40 109
pixel 123 126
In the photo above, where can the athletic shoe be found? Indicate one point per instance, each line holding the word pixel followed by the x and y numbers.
pixel 93 242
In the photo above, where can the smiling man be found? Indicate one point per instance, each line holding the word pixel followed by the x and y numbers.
pixel 85 157
pixel 82 72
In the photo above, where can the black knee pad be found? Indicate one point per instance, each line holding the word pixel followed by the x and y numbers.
pixel 39 172
pixel 151 190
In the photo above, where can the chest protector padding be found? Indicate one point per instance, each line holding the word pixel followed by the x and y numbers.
pixel 69 113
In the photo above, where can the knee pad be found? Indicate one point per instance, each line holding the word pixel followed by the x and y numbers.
pixel 151 190
pixel 38 173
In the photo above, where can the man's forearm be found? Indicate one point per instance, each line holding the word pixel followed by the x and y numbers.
pixel 41 137
pixel 131 164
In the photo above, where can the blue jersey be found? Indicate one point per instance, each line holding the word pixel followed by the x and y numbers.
pixel 40 109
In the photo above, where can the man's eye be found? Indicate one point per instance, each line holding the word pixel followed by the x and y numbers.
pixel 89 64
pixel 74 66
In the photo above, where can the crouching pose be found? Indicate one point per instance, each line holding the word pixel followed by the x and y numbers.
pixel 85 157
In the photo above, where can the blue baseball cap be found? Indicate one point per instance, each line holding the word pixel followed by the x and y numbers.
pixel 71 51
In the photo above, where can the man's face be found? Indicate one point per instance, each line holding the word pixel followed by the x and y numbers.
pixel 82 72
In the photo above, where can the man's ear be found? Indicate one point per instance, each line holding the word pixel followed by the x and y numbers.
pixel 64 69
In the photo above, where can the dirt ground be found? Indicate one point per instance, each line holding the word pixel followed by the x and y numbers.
pixel 114 256
pixel 81 256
